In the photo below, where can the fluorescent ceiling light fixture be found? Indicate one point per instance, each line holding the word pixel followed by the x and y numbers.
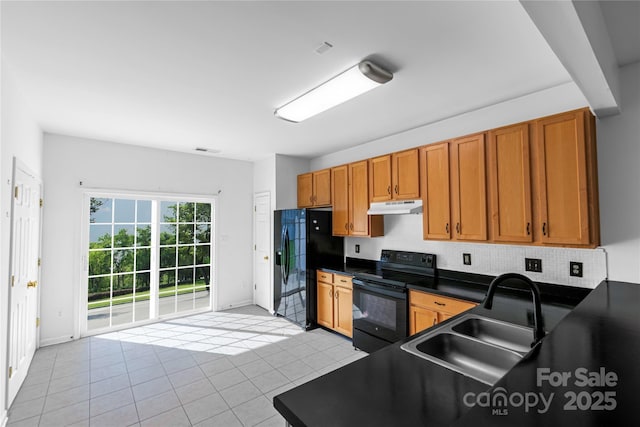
pixel 355 81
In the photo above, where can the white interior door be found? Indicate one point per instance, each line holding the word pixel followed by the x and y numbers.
pixel 25 251
pixel 262 254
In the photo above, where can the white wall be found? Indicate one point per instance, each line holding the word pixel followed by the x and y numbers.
pixel 277 175
pixel 405 232
pixel 555 100
pixel 287 170
pixel 106 165
pixel 19 137
pixel 619 180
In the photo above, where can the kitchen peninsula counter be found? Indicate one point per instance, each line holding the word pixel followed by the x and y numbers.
pixel 393 387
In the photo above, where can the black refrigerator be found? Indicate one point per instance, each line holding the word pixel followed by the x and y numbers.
pixel 302 243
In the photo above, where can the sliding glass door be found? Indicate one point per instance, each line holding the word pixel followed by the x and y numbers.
pixel 147 258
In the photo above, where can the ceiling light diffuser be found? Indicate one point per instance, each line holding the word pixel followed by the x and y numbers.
pixel 353 82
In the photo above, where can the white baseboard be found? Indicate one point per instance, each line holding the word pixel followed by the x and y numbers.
pixel 57 340
pixel 3 419
pixel 235 305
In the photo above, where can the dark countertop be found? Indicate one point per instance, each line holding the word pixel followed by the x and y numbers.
pixel 392 387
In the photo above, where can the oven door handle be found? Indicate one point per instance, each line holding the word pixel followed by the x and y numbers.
pixel 384 290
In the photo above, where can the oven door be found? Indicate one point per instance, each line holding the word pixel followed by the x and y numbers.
pixel 380 310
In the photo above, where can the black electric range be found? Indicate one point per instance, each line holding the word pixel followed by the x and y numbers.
pixel 380 303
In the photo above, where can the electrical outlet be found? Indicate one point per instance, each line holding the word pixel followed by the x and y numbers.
pixel 466 259
pixel 533 264
pixel 357 249
pixel 575 269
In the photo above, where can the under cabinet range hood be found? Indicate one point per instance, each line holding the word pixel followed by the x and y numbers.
pixel 395 208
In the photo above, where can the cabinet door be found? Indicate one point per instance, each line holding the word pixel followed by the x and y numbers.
pixel 343 311
pixel 380 179
pixel 469 188
pixel 340 196
pixel 510 183
pixel 305 190
pixel 434 172
pixel 562 179
pixel 406 185
pixel 358 199
pixel 421 319
pixel 322 188
pixel 325 305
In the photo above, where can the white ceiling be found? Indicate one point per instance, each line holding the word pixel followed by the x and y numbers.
pixel 181 75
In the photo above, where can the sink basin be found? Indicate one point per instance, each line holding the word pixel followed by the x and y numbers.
pixel 478 347
pixel 506 335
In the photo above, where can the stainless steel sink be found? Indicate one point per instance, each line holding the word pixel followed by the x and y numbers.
pixel 491 331
pixel 478 347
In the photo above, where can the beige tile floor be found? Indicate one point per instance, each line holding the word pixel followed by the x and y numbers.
pixel 211 369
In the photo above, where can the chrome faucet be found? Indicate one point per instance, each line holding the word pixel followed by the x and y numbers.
pixel 538 332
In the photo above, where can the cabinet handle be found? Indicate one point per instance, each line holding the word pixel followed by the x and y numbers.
pixel 336 294
pixel 458 227
pixel 544 228
pixel 446 227
pixel 346 226
pixel 396 189
pixel 343 280
pixel 528 231
pixel 351 226
pixel 330 293
pixel 439 303
pixel 389 190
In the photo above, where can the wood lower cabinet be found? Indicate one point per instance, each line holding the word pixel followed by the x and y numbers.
pixel 427 310
pixel 335 302
pixel 314 189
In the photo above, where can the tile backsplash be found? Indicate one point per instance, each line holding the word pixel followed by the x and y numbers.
pixel 404 232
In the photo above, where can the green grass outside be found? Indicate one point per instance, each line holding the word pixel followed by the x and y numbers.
pixel 144 296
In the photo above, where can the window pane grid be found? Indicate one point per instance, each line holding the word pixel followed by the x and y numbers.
pixel 183 266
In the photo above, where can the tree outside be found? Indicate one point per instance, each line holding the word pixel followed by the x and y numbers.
pixel 120 252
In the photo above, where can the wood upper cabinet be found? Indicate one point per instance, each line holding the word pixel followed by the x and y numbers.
pixel 404 173
pixel 359 221
pixel 434 174
pixel 468 188
pixel 395 176
pixel 427 309
pixel 340 197
pixel 510 184
pixel 305 190
pixel 566 179
pixel 349 189
pixel 314 189
pixel 380 178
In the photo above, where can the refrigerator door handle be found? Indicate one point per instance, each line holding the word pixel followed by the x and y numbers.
pixel 286 257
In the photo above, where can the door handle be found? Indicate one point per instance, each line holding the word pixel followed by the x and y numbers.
pixel 32 284
pixel 287 260
pixel 266 257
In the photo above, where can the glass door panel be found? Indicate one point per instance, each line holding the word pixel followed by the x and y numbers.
pixel 121 267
